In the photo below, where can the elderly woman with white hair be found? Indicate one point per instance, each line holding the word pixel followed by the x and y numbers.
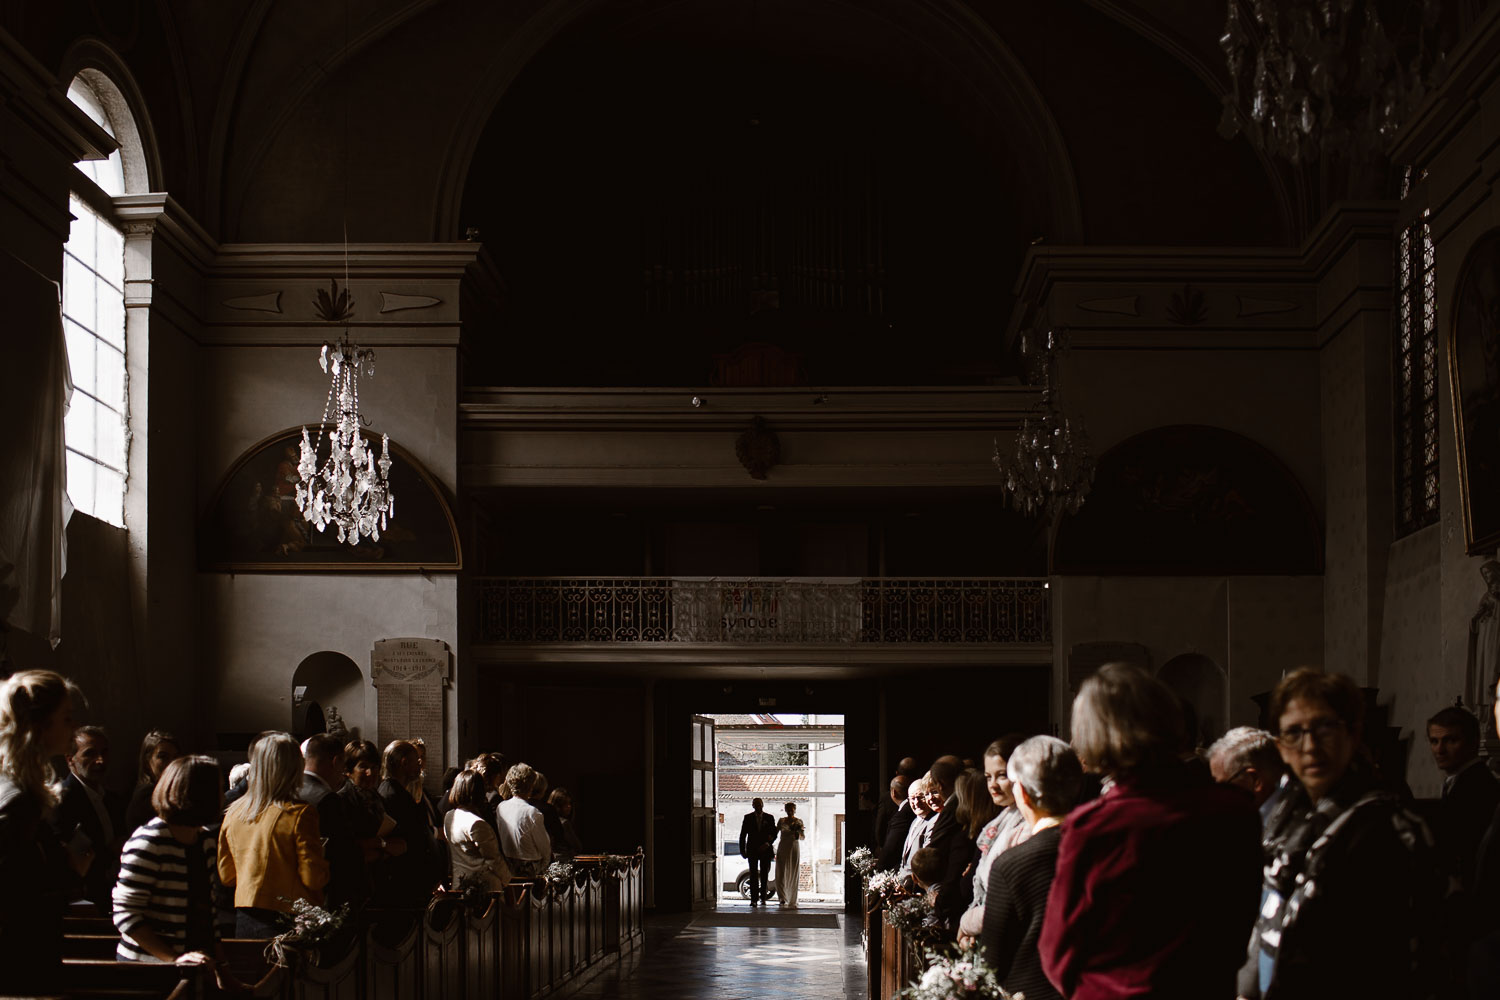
pixel 1045 778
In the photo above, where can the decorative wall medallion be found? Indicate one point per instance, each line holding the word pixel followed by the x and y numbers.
pixel 1125 305
pixel 758 449
pixel 395 302
pixel 1187 307
pixel 333 306
pixel 269 302
pixel 1261 307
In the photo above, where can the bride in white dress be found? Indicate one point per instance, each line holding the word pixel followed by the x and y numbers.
pixel 788 856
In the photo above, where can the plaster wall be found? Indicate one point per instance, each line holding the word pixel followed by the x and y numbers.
pixel 1412 673
pixel 1252 628
pixel 1270 397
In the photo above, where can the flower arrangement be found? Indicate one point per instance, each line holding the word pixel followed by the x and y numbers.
pixel 312 926
pixel 887 887
pixel 795 828
pixel 558 874
pixel 475 889
pixel 614 864
pixel 862 861
pixel 918 922
pixel 960 975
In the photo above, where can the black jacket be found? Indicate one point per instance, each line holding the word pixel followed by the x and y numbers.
pixel 36 882
pixel 756 835
pixel 1015 904
pixel 895 837
pixel 74 813
pixel 408 879
pixel 1462 817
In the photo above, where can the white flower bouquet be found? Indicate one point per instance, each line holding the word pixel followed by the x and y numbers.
pixel 960 975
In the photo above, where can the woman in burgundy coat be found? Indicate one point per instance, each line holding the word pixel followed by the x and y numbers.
pixel 1158 879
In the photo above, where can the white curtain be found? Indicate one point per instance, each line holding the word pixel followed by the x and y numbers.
pixel 35 387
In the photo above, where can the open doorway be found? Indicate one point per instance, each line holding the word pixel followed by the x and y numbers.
pixel 781 759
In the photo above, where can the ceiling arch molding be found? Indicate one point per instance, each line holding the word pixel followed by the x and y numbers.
pixel 948 29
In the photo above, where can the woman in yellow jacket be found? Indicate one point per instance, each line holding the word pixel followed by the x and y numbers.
pixel 270 849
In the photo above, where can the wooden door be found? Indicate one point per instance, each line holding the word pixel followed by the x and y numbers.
pixel 703 837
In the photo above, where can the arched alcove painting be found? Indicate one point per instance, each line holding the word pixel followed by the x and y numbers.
pixel 328 693
pixel 1200 683
pixel 1191 500
pixel 253 524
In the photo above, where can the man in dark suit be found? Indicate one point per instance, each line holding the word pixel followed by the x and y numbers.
pixel 1470 791
pixel 898 826
pixel 90 816
pixel 322 775
pixel 756 834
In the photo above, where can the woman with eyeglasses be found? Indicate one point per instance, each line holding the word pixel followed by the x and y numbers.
pixel 1351 883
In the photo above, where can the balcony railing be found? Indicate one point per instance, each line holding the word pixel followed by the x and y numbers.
pixel 839 611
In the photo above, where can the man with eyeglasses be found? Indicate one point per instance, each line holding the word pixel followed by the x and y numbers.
pixel 1248 758
pixel 1351 880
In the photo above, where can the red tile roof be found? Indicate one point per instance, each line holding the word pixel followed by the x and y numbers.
pixel 766 784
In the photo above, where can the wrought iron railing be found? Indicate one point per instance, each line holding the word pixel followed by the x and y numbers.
pixel 713 610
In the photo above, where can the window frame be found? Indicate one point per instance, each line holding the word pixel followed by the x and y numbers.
pixel 1416 439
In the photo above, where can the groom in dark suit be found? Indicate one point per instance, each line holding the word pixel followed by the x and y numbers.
pixel 756 834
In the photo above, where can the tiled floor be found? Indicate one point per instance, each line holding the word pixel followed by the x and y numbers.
pixel 777 956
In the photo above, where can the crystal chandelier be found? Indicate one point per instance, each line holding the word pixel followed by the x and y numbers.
pixel 1316 77
pixel 351 490
pixel 1051 470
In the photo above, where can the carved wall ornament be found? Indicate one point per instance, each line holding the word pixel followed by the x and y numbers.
pixel 395 301
pixel 1262 307
pixel 1124 305
pixel 333 306
pixel 269 302
pixel 758 448
pixel 1187 307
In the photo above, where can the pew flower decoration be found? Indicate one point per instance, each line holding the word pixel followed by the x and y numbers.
pixel 863 861
pixel 915 918
pixel 961 975
pixel 887 887
pixel 614 864
pixel 475 890
pixel 312 927
pixel 559 874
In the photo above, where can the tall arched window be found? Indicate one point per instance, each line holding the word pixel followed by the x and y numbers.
pixel 96 430
pixel 1415 392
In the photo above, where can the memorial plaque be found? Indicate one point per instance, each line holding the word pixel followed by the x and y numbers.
pixel 411 679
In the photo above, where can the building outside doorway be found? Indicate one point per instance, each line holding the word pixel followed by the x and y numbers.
pixel 780 759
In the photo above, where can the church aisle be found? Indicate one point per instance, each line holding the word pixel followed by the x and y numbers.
pixel 741 954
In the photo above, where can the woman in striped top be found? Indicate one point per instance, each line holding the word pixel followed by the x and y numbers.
pixel 163 903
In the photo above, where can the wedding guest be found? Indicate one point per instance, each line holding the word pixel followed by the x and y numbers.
pixel 921 825
pixel 955 889
pixel 523 829
pixel 38 875
pixel 270 848
pixel 1004 830
pixel 550 817
pixel 569 846
pixel 158 749
pixel 1351 887
pixel 373 829
pixel 322 775
pixel 164 904
pixel 1482 972
pixel 473 848
pixel 491 767
pixel 898 827
pixel 88 810
pixel 1470 791
pixel 927 872
pixel 406 879
pixel 1248 758
pixel 1046 776
pixel 1156 884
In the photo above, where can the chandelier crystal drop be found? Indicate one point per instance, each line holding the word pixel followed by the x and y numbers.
pixel 1311 78
pixel 1051 469
pixel 351 490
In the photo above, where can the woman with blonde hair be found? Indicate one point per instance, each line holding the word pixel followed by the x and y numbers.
pixel 406 880
pixel 37 873
pixel 270 846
